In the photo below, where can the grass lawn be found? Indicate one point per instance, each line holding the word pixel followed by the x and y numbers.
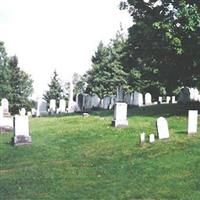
pixel 75 157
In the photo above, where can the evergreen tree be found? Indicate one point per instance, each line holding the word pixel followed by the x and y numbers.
pixel 107 70
pixel 55 89
pixel 21 86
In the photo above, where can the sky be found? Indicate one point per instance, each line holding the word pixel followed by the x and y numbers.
pixel 57 34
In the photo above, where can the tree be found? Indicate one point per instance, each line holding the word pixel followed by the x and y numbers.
pixel 21 86
pixel 55 89
pixel 107 70
pixel 164 43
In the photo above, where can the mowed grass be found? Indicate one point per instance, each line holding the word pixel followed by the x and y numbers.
pixel 75 157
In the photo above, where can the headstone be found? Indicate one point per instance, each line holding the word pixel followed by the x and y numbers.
pixel 41 108
pixel 119 97
pixel 192 121
pixel 22 112
pixel 71 104
pixel 138 99
pixel 120 115
pixel 29 114
pixel 160 100
pixel 86 115
pixel 21 130
pixel 33 112
pixel 148 99
pixel 196 94
pixel 112 102
pixel 5 106
pixel 174 100
pixel 168 99
pixel 162 128
pixel 87 102
pixel 52 107
pixel 184 96
pixel 95 101
pixel 106 102
pixel 62 106
pixel 142 138
pixel 151 138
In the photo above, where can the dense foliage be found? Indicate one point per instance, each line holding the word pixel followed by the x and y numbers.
pixel 15 84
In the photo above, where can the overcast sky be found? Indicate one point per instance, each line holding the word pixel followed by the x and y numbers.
pixel 57 34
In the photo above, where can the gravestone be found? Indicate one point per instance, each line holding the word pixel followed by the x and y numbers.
pixel 168 99
pixel 196 94
pixel 5 106
pixel 71 104
pixel 174 100
pixel 87 102
pixel 29 114
pixel 21 130
pixel 106 102
pixel 142 138
pixel 160 100
pixel 41 108
pixel 162 128
pixel 119 97
pixel 95 101
pixel 52 107
pixel 151 138
pixel 22 112
pixel 148 99
pixel 62 106
pixel 138 99
pixel 112 102
pixel 184 96
pixel 192 121
pixel 33 112
pixel 120 115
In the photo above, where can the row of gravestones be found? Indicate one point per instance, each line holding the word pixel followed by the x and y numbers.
pixel 86 102
pixel 189 94
pixel 120 120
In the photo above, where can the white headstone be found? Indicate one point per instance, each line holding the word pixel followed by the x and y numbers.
pixel 196 94
pixel 29 114
pixel 174 99
pixel 151 138
pixel 138 99
pixel 52 106
pixel 5 105
pixel 120 115
pixel 33 111
pixel 192 121
pixel 168 99
pixel 162 127
pixel 160 100
pixel 22 112
pixel 71 103
pixel 62 106
pixel 1 112
pixel 142 138
pixel 148 99
pixel 21 130
pixel 106 102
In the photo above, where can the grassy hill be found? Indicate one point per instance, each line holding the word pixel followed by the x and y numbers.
pixel 75 157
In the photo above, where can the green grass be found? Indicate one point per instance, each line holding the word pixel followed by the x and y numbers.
pixel 75 157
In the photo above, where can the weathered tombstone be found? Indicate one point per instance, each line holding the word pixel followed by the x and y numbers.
pixel 192 121
pixel 112 102
pixel 196 94
pixel 119 97
pixel 71 104
pixel 86 115
pixel 168 99
pixel 95 101
pixel 142 138
pixel 87 102
pixel 148 99
pixel 160 100
pixel 41 108
pixel 174 100
pixel 62 106
pixel 120 115
pixel 33 112
pixel 21 130
pixel 138 99
pixel 162 128
pixel 22 112
pixel 184 96
pixel 52 107
pixel 29 114
pixel 151 138
pixel 5 106
pixel 106 102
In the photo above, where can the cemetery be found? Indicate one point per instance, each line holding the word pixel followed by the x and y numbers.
pixel 102 100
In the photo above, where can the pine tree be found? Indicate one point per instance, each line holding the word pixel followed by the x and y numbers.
pixel 55 89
